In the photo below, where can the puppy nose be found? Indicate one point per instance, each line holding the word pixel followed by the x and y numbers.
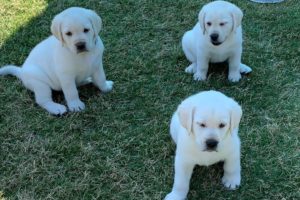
pixel 80 46
pixel 211 144
pixel 214 37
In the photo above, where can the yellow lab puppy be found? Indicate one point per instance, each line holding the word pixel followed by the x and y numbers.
pixel 217 37
pixel 205 130
pixel 71 57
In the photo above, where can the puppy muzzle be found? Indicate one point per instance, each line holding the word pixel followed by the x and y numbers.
pixel 211 145
pixel 214 38
pixel 80 47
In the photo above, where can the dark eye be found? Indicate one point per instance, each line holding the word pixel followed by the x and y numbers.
pixel 222 24
pixel 208 23
pixel 69 33
pixel 221 125
pixel 86 30
pixel 202 125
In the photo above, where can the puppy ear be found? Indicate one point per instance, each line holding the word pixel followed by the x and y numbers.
pixel 237 16
pixel 186 116
pixel 95 21
pixel 56 28
pixel 201 18
pixel 235 115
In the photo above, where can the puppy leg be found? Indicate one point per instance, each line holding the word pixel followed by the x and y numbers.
pixel 232 172
pixel 43 98
pixel 183 173
pixel 201 67
pixel 234 67
pixel 71 94
pixel 244 69
pixel 99 79
pixel 188 51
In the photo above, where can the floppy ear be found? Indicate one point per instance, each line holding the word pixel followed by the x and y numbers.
pixel 95 21
pixel 237 16
pixel 186 116
pixel 201 18
pixel 56 28
pixel 235 115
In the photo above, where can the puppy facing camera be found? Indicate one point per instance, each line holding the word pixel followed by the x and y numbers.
pixel 71 57
pixel 217 37
pixel 205 130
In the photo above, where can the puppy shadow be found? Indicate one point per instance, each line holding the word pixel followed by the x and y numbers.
pixel 85 93
pixel 206 178
pixel 220 69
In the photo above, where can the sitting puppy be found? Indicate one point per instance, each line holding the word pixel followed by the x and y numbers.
pixel 205 130
pixel 72 57
pixel 217 37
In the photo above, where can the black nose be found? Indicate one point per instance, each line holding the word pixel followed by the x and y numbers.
pixel 211 144
pixel 214 37
pixel 80 46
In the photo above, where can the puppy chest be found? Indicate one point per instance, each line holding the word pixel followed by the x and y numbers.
pixel 208 158
pixel 218 56
pixel 85 68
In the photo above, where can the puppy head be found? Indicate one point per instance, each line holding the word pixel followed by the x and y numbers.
pixel 218 20
pixel 77 29
pixel 210 117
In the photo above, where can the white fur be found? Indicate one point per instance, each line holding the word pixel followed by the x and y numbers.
pixel 57 63
pixel 224 19
pixel 196 120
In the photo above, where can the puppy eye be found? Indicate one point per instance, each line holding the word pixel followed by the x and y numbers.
pixel 68 33
pixel 222 125
pixel 208 23
pixel 202 125
pixel 222 24
pixel 86 30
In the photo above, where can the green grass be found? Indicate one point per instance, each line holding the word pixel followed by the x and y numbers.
pixel 119 147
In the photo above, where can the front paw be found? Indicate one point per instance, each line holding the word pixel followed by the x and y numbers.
pixel 108 86
pixel 199 76
pixel 234 76
pixel 231 181
pixel 54 108
pixel 244 69
pixel 76 105
pixel 174 196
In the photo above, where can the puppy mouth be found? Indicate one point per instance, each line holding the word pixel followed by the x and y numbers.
pixel 216 43
pixel 82 51
pixel 210 150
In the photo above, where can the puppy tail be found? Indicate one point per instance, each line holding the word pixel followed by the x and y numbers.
pixel 11 70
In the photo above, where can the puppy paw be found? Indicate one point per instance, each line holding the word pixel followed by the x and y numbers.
pixel 234 76
pixel 244 69
pixel 76 106
pixel 174 196
pixel 108 86
pixel 231 181
pixel 190 69
pixel 199 77
pixel 55 108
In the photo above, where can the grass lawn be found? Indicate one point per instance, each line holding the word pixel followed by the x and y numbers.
pixel 119 147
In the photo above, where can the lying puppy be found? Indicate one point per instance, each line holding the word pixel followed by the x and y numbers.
pixel 72 57
pixel 217 37
pixel 205 130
